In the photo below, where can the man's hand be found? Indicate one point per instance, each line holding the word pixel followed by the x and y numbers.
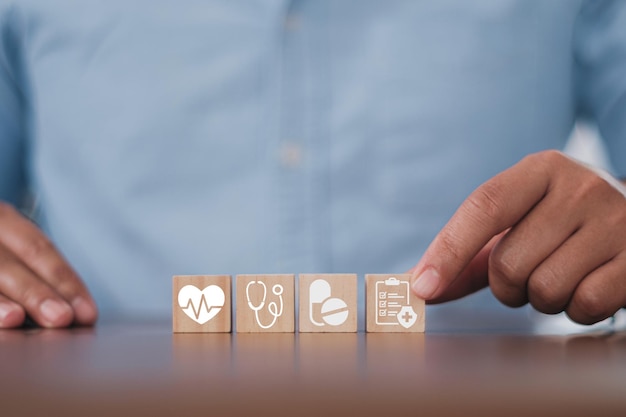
pixel 35 280
pixel 549 231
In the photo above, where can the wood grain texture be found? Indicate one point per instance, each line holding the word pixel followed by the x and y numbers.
pixel 250 292
pixel 333 305
pixel 202 304
pixel 390 305
pixel 466 366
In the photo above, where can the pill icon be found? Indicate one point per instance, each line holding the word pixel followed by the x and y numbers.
pixel 328 303
pixel 334 311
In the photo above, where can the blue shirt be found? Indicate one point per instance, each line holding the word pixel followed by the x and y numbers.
pixel 170 137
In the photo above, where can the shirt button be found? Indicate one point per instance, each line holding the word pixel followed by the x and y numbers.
pixel 290 155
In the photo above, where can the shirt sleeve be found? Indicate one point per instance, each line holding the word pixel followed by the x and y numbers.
pixel 12 141
pixel 600 70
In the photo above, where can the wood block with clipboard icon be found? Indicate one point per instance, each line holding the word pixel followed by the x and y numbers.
pixel 391 307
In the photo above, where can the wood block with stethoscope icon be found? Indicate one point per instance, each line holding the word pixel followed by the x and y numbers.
pixel 328 303
pixel 391 306
pixel 265 303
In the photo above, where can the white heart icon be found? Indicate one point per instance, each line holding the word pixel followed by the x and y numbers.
pixel 201 306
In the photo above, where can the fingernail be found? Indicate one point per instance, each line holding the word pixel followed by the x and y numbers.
pixel 5 310
pixel 10 315
pixel 426 284
pixel 53 310
pixel 85 311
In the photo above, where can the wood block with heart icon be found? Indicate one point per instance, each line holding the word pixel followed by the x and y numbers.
pixel 266 303
pixel 391 306
pixel 201 304
pixel 328 303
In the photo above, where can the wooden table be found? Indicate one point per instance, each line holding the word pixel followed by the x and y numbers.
pixel 136 368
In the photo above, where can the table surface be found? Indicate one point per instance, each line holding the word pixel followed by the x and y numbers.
pixel 134 367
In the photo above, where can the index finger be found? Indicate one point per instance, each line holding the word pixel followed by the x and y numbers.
pixel 492 208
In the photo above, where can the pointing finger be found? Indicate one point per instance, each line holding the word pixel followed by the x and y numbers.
pixel 473 278
pixel 491 209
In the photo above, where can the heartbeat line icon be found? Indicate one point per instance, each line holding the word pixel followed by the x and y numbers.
pixel 201 305
pixel 203 302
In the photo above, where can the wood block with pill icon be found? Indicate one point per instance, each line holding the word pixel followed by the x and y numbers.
pixel 328 303
pixel 391 306
pixel 201 304
pixel 265 303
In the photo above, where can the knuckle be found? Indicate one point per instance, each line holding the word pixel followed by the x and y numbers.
pixel 546 161
pixel 617 214
pixel 588 306
pixel 505 271
pixel 33 296
pixel 616 220
pixel 63 273
pixel 36 248
pixel 591 186
pixel 507 283
pixel 24 292
pixel 544 292
pixel 67 283
pixel 554 156
pixel 9 270
pixel 450 245
pixel 5 258
pixel 548 157
pixel 486 200
pixel 510 297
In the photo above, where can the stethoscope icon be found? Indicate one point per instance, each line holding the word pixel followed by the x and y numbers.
pixel 271 307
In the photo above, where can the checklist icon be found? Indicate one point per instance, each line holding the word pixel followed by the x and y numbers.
pixel 393 306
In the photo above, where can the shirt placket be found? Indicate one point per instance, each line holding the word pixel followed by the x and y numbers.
pixel 301 176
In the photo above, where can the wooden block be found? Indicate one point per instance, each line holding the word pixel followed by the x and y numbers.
pixel 328 303
pixel 201 304
pixel 265 303
pixel 391 306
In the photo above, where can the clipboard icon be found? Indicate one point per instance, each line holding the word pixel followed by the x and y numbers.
pixel 392 297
